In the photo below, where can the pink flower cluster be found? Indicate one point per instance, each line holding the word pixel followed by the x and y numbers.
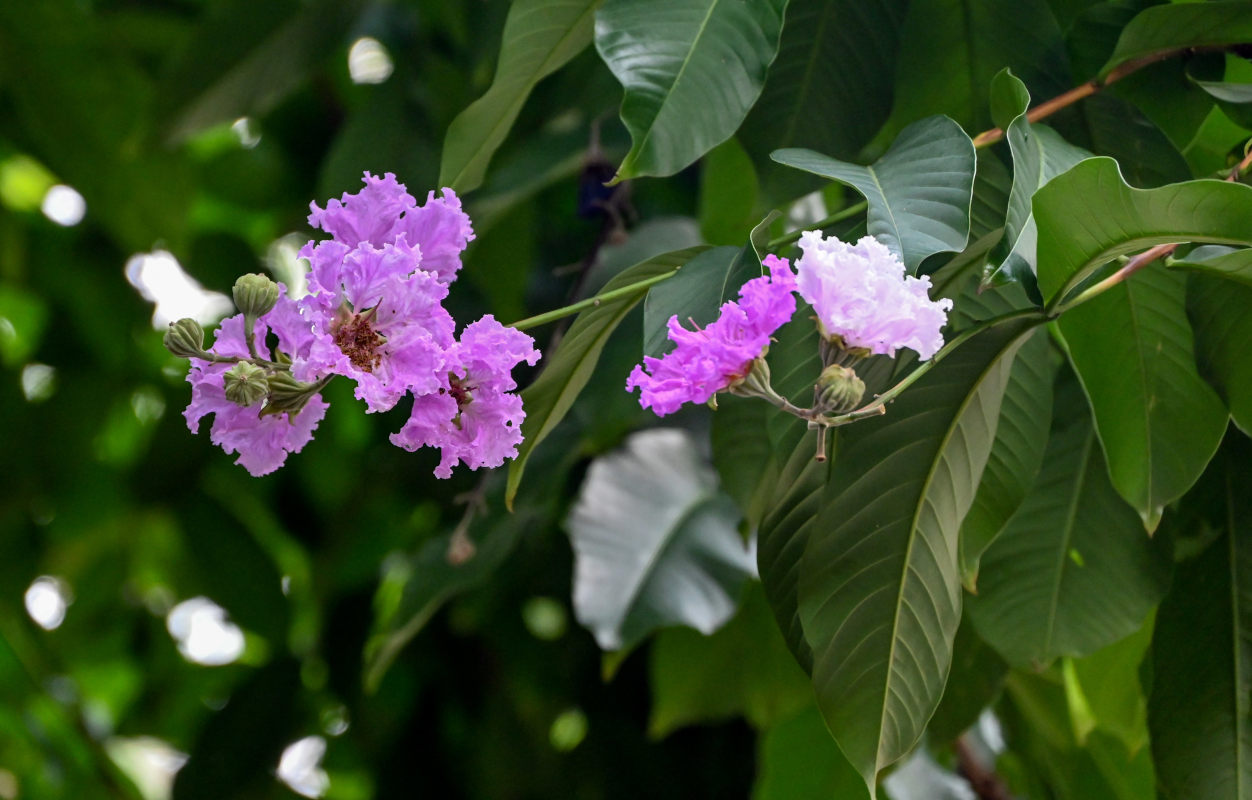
pixel 859 293
pixel 375 314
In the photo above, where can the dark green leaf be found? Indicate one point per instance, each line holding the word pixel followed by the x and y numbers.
pixel 1222 316
pixel 1089 216
pixel 797 760
pixel 540 36
pixel 1198 711
pixel 696 294
pixel 655 542
pixel 1220 262
pixel 879 585
pixel 1176 26
pixel 567 371
pixel 919 192
pixel 690 86
pixel 728 190
pixel 976 678
pixel 1158 421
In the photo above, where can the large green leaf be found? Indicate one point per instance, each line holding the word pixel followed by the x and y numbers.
pixel 744 669
pixel 1199 710
pixel 540 36
pixel 1158 421
pixel 1176 26
pixel 567 371
pixel 1089 216
pixel 879 587
pixel 695 294
pixel 691 70
pixel 655 542
pixel 919 192
pixel 1073 571
pixel 1222 316
pixel 976 679
pixel 1039 155
pixel 1221 262
pixel 1105 691
pixel 829 89
pixel 797 760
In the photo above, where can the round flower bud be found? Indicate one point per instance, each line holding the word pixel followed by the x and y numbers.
pixel 245 384
pixel 185 338
pixel 838 390
pixel 255 295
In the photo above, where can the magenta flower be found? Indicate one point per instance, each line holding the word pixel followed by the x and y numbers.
pixel 261 442
pixel 384 211
pixel 710 360
pixel 861 294
pixel 473 416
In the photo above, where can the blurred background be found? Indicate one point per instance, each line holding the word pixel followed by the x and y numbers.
pixel 171 627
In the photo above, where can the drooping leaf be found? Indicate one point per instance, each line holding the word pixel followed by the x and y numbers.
pixel 1088 216
pixel 1039 155
pixel 1176 26
pixel 540 36
pixel 744 669
pixel 1105 686
pixel 1219 262
pixel 1199 711
pixel 919 192
pixel 692 83
pixel 1222 316
pixel 830 88
pixel 655 542
pixel 1227 78
pixel 1108 125
pixel 1073 571
pixel 797 760
pixel 976 678
pixel 550 397
pixel 1159 423
pixel 879 585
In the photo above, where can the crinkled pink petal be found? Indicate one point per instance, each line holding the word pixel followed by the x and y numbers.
pixel 370 215
pixel 442 229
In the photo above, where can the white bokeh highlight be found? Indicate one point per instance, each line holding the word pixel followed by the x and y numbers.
pixel 369 61
pixel 64 205
pixel 203 632
pixel 160 279
pixel 300 767
pixel 47 600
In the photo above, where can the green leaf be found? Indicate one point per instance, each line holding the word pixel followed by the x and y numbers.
pixel 695 293
pixel 1158 422
pixel 1039 155
pixel 691 85
pixel 1220 262
pixel 425 582
pixel 1089 216
pixel 879 587
pixel 1198 711
pixel 742 454
pixel 567 371
pixel 655 542
pixel 1177 26
pixel 830 88
pixel 1105 686
pixel 1073 571
pixel 797 760
pixel 540 36
pixel 976 679
pixel 744 669
pixel 1223 333
pixel 728 191
pixel 919 192
pixel 1224 77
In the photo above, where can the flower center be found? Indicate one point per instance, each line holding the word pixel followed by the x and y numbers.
pixel 358 340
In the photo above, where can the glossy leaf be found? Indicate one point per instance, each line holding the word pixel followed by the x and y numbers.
pixel 1088 216
pixel 540 36
pixel 830 88
pixel 1175 26
pixel 1222 316
pixel 1199 711
pixel 691 70
pixel 1073 571
pixel 919 192
pixel 1159 423
pixel 655 542
pixel 1039 155
pixel 567 371
pixel 879 587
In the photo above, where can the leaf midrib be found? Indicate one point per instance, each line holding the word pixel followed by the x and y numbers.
pixel 1071 516
pixel 1236 620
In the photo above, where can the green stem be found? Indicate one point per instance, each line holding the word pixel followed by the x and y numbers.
pixel 590 302
pixel 838 216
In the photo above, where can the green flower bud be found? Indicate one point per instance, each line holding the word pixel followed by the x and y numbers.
pixel 834 350
pixel 255 295
pixel 245 384
pixel 288 394
pixel 838 390
pixel 185 338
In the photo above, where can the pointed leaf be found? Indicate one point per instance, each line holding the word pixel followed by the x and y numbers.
pixel 567 371
pixel 1159 423
pixel 1073 571
pixel 691 70
pixel 655 542
pixel 919 192
pixel 540 36
pixel 1176 26
pixel 1109 687
pixel 829 89
pixel 1222 315
pixel 1089 216
pixel 1235 265
pixel 1199 712
pixel 879 588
